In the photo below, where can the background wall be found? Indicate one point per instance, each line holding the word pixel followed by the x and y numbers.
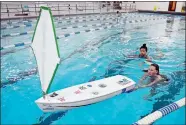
pixel 9 9
pixel 179 6
pixel 161 6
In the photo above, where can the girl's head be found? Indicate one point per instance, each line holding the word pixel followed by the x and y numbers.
pixel 153 70
pixel 143 50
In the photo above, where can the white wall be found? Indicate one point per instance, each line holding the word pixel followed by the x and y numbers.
pixel 179 6
pixel 161 6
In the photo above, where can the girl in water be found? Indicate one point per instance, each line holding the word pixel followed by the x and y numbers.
pixel 154 77
pixel 143 53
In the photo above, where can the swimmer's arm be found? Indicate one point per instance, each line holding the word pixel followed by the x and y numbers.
pixel 140 82
pixel 149 59
pixel 143 78
pixel 151 84
pixel 132 56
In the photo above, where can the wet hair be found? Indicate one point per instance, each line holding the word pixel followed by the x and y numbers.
pixel 156 67
pixel 117 11
pixel 144 47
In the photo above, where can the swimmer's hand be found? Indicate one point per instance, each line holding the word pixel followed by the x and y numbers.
pixel 149 60
pixel 139 86
pixel 136 87
pixel 142 86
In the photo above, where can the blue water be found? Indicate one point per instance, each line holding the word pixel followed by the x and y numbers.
pixel 96 55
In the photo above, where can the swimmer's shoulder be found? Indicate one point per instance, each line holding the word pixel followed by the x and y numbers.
pixel 162 79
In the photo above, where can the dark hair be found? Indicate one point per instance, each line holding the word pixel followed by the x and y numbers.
pixel 144 47
pixel 156 67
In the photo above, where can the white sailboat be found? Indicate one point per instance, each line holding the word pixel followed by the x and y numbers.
pixel 45 47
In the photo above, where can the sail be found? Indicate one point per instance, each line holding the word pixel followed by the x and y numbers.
pixel 45 47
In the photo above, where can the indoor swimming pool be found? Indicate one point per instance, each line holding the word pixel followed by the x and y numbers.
pixel 93 47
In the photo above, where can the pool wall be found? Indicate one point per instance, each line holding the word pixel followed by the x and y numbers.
pixel 163 12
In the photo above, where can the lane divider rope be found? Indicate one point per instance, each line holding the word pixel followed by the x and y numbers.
pixel 28 23
pixel 30 32
pixel 161 112
pixel 70 34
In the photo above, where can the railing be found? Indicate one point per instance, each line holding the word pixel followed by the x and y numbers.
pixel 9 10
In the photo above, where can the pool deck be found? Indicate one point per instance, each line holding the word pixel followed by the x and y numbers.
pixel 56 14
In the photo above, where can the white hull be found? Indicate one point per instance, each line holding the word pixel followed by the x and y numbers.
pixel 85 94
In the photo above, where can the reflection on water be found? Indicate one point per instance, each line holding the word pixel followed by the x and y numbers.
pixel 51 118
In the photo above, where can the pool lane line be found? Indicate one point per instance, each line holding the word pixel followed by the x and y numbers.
pixel 61 36
pixel 30 32
pixel 65 21
pixel 29 21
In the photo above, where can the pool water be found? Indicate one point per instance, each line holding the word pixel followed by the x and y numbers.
pixel 94 55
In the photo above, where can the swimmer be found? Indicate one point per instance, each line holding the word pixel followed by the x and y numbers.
pixel 154 77
pixel 118 13
pixel 118 16
pixel 143 53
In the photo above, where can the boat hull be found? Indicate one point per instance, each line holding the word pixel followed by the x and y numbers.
pixel 85 94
